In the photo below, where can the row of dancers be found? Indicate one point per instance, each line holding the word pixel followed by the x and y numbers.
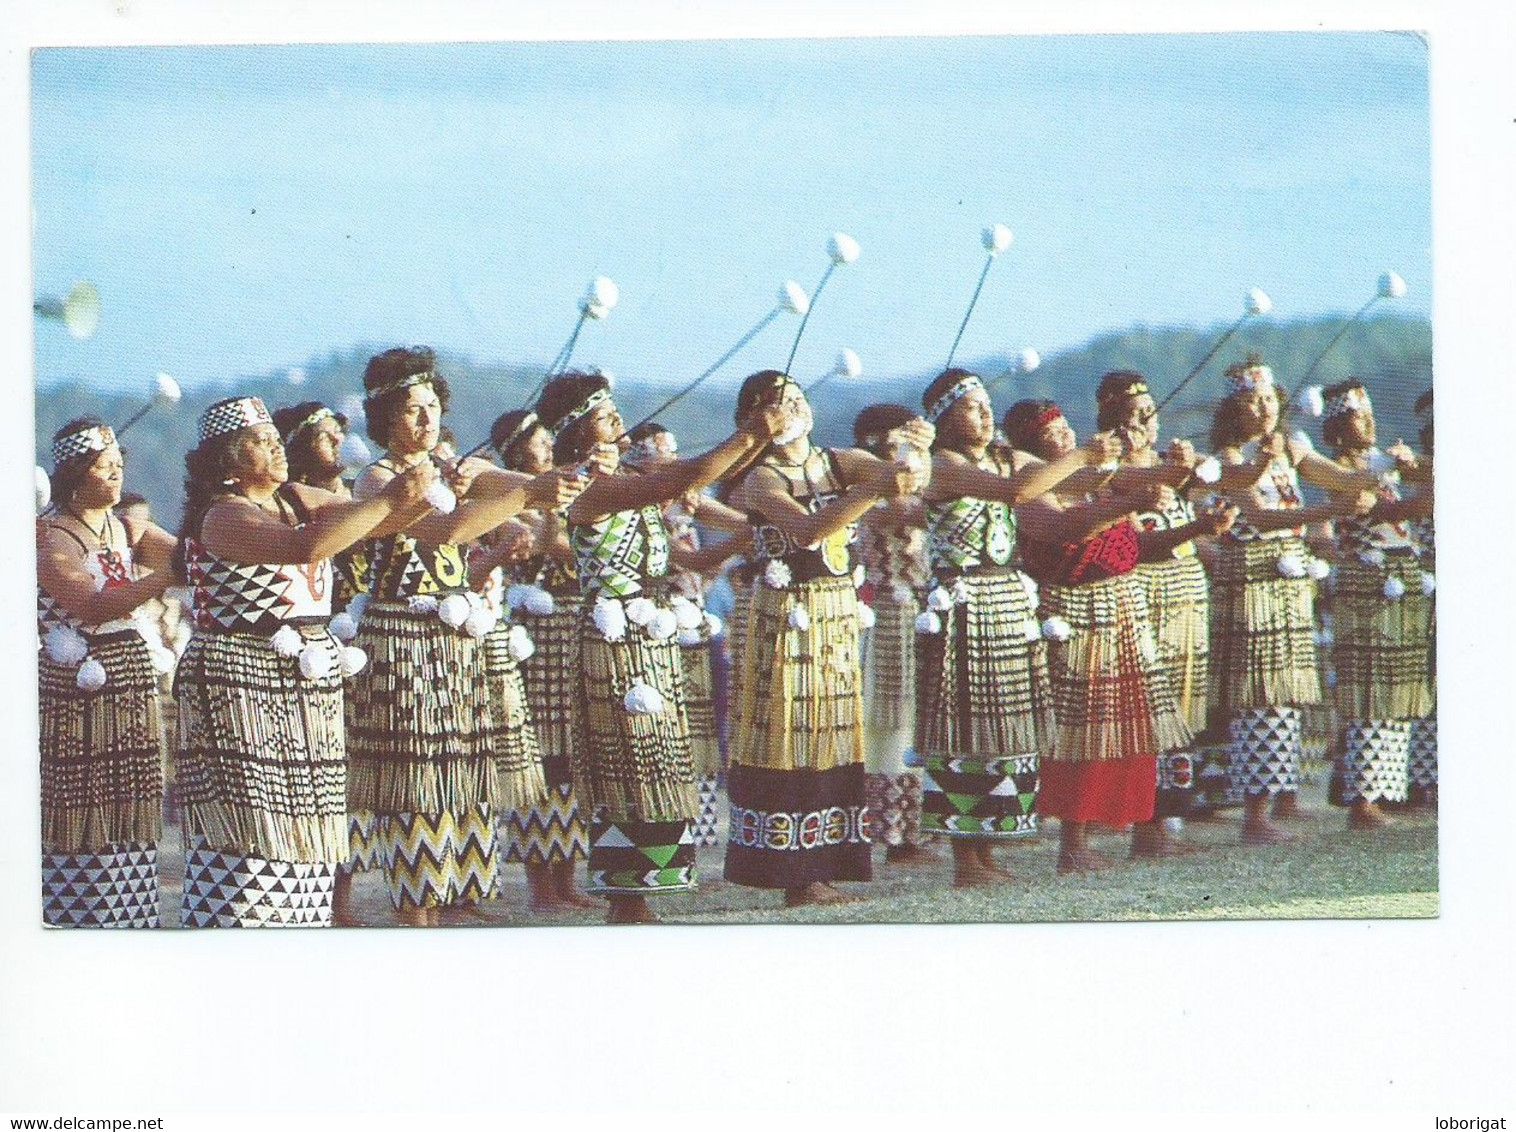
pixel 945 632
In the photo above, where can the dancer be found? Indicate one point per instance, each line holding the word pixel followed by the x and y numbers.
pixel 892 540
pixel 262 761
pixel 312 435
pixel 1381 613
pixel 1178 598
pixel 1422 792
pixel 101 740
pixel 984 705
pixel 421 732
pixel 799 810
pixel 1115 711
pixel 543 594
pixel 1263 652
pixel 631 754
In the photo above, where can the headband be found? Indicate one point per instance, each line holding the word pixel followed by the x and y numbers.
pixel 1047 417
pixel 317 416
pixel 84 441
pixel 1133 389
pixel 957 393
pixel 425 377
pixel 583 409
pixel 230 416
pixel 1348 401
pixel 527 423
pixel 1251 378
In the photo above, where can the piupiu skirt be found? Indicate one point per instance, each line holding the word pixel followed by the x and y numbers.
pixel 799 810
pixel 1263 648
pixel 983 712
pixel 102 788
pixel 889 684
pixel 1380 653
pixel 262 768
pixel 634 770
pixel 554 830
pixel 1115 710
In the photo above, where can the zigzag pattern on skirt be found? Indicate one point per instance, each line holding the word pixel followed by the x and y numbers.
pixel 553 831
pixel 362 842
pixel 231 890
pixel 1266 750
pixel 435 859
pixel 981 797
pixel 114 887
pixel 894 814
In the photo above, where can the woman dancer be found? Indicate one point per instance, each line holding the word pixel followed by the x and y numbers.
pixel 984 708
pixel 1263 648
pixel 542 593
pixel 892 538
pixel 631 755
pixel 1178 597
pixel 799 806
pixel 421 732
pixel 262 761
pixel 101 744
pixel 1381 613
pixel 1115 710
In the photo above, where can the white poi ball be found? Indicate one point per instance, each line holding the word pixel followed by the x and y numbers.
pixel 603 292
pixel 91 676
pixel 842 248
pixel 1392 286
pixel 44 490
pixel 442 498
pixel 1256 302
pixel 1028 360
pixel 996 238
pixel 848 363
pixel 792 297
pixel 165 388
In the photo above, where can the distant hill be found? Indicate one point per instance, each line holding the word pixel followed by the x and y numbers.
pixel 1393 355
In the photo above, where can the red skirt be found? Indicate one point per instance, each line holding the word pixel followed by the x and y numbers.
pixel 1112 791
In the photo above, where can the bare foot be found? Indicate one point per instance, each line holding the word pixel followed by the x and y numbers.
pixel 1209 817
pixel 1287 808
pixel 1366 816
pixel 1265 832
pixel 468 912
pixel 815 893
pixel 411 917
pixel 1083 861
pixel 1152 841
pixel 909 854
pixel 987 861
pixel 630 910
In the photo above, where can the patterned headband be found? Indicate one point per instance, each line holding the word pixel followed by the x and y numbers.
pixel 1047 417
pixel 528 423
pixel 85 441
pixel 316 417
pixel 230 416
pixel 957 393
pixel 1135 389
pixel 425 377
pixel 1250 379
pixel 582 410
pixel 1348 401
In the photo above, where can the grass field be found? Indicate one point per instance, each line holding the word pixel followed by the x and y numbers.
pixel 1327 872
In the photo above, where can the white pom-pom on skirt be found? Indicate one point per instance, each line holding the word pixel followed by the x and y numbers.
pixel 1291 566
pixel 1374 557
pixel 539 603
pixel 859 577
pixel 663 625
pixel 690 638
pixel 1319 568
pixel 286 642
pixel 453 610
pixel 353 660
pixel 1428 583
pixel 960 592
pixel 939 599
pixel 424 604
pixel 344 626
pixel 640 610
pixel 1394 588
pixel 866 617
pixel 610 618
pixel 686 613
pixel 1031 631
pixel 479 622
pixel 1057 629
pixel 776 575
pixel 356 607
pixel 928 622
pixel 66 646
pixel 315 662
pixel 91 676
pixel 643 699
pixel 519 643
pixel 714 626
pixel 800 619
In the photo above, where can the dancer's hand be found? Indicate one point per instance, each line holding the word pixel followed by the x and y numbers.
pixel 1182 453
pixel 1102 448
pixel 409 488
pixel 1219 519
pixel 555 490
pixel 461 475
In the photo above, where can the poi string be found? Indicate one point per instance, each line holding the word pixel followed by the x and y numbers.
pixel 165 392
pixel 842 248
pixel 1391 286
pixel 1254 304
pixel 996 238
pixel 848 365
pixel 599 300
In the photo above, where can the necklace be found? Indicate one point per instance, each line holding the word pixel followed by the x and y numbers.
pixel 103 536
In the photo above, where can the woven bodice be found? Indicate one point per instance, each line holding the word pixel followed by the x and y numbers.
pixel 401 566
pixel 1278 490
pixel 257 597
pixel 618 555
pixel 969 532
pixel 832 557
pixel 894 557
pixel 1357 536
pixel 108 566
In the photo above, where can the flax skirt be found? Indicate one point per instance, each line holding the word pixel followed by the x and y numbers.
pixel 799 808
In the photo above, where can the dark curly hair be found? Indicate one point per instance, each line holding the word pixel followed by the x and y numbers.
pixel 69 474
pixel 1020 424
pixel 562 396
pixel 1333 429
pixel 500 432
pixel 382 400
pixel 757 389
pixel 1113 402
pixel 875 421
pixel 297 441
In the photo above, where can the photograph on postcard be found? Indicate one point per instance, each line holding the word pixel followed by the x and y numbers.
pixel 937 479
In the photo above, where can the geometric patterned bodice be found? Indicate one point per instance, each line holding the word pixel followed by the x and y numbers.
pixel 400 566
pixel 1278 490
pixel 257 597
pixel 1180 513
pixel 1357 536
pixel 109 566
pixel 969 532
pixel 894 557
pixel 832 557
pixel 618 554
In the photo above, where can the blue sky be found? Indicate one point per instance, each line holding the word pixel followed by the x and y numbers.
pixel 243 209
